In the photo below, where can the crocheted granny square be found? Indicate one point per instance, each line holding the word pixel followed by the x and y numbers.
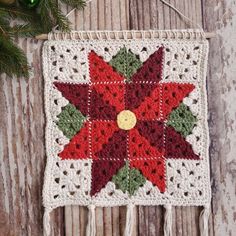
pixel 126 122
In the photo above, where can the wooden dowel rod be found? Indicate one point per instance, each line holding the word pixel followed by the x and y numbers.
pixel 120 35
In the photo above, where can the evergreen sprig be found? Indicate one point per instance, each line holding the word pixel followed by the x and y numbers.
pixel 16 11
pixel 12 59
pixel 48 14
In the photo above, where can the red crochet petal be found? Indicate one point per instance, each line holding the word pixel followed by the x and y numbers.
pixel 172 95
pixel 100 109
pixel 100 71
pixel 102 172
pixel 139 147
pixel 177 147
pixel 151 69
pixel 136 93
pixel 153 131
pixel 77 94
pixel 112 94
pixel 77 148
pixel 101 133
pixel 153 170
pixel 116 148
pixel 149 109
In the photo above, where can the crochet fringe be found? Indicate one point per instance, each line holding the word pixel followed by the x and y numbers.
pixel 91 226
pixel 129 220
pixel 168 220
pixel 203 220
pixel 46 223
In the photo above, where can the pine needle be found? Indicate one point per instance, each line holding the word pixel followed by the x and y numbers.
pixel 24 30
pixel 18 12
pixel 12 59
pixel 61 20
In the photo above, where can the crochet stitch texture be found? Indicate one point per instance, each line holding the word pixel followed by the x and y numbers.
pixel 126 122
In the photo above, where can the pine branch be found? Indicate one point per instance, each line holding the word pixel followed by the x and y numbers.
pixel 51 15
pixel 4 26
pixel 45 16
pixel 79 4
pixel 24 30
pixel 12 59
pixel 18 12
pixel 61 20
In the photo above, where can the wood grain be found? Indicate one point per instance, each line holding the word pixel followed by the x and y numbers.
pixel 22 123
pixel 221 15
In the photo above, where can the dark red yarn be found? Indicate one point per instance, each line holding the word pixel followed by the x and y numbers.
pixel 77 94
pixel 112 94
pixel 139 147
pixel 100 109
pixel 153 131
pixel 101 134
pixel 153 170
pixel 177 147
pixel 115 148
pixel 151 69
pixel 135 94
pixel 102 172
pixel 149 109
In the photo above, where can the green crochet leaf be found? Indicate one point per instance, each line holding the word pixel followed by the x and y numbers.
pixel 182 120
pixel 70 120
pixel 121 178
pixel 136 180
pixel 126 63
pixel 128 180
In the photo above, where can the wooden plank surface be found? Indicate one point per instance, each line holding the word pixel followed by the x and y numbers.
pixel 221 15
pixel 22 122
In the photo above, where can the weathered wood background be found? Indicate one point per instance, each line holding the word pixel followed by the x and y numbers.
pixel 22 121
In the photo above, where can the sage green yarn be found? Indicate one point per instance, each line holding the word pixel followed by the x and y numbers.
pixel 126 63
pixel 136 180
pixel 70 120
pixel 121 178
pixel 128 179
pixel 182 120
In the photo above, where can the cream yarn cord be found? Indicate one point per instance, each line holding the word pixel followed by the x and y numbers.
pixel 129 220
pixel 46 222
pixel 91 225
pixel 203 220
pixel 187 19
pixel 168 220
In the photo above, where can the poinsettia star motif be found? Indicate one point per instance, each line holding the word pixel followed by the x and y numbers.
pixel 122 120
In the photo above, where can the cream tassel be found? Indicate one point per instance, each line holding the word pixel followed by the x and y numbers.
pixel 91 226
pixel 46 222
pixel 203 220
pixel 168 220
pixel 129 220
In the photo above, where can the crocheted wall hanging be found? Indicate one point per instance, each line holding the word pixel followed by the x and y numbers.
pixel 126 122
